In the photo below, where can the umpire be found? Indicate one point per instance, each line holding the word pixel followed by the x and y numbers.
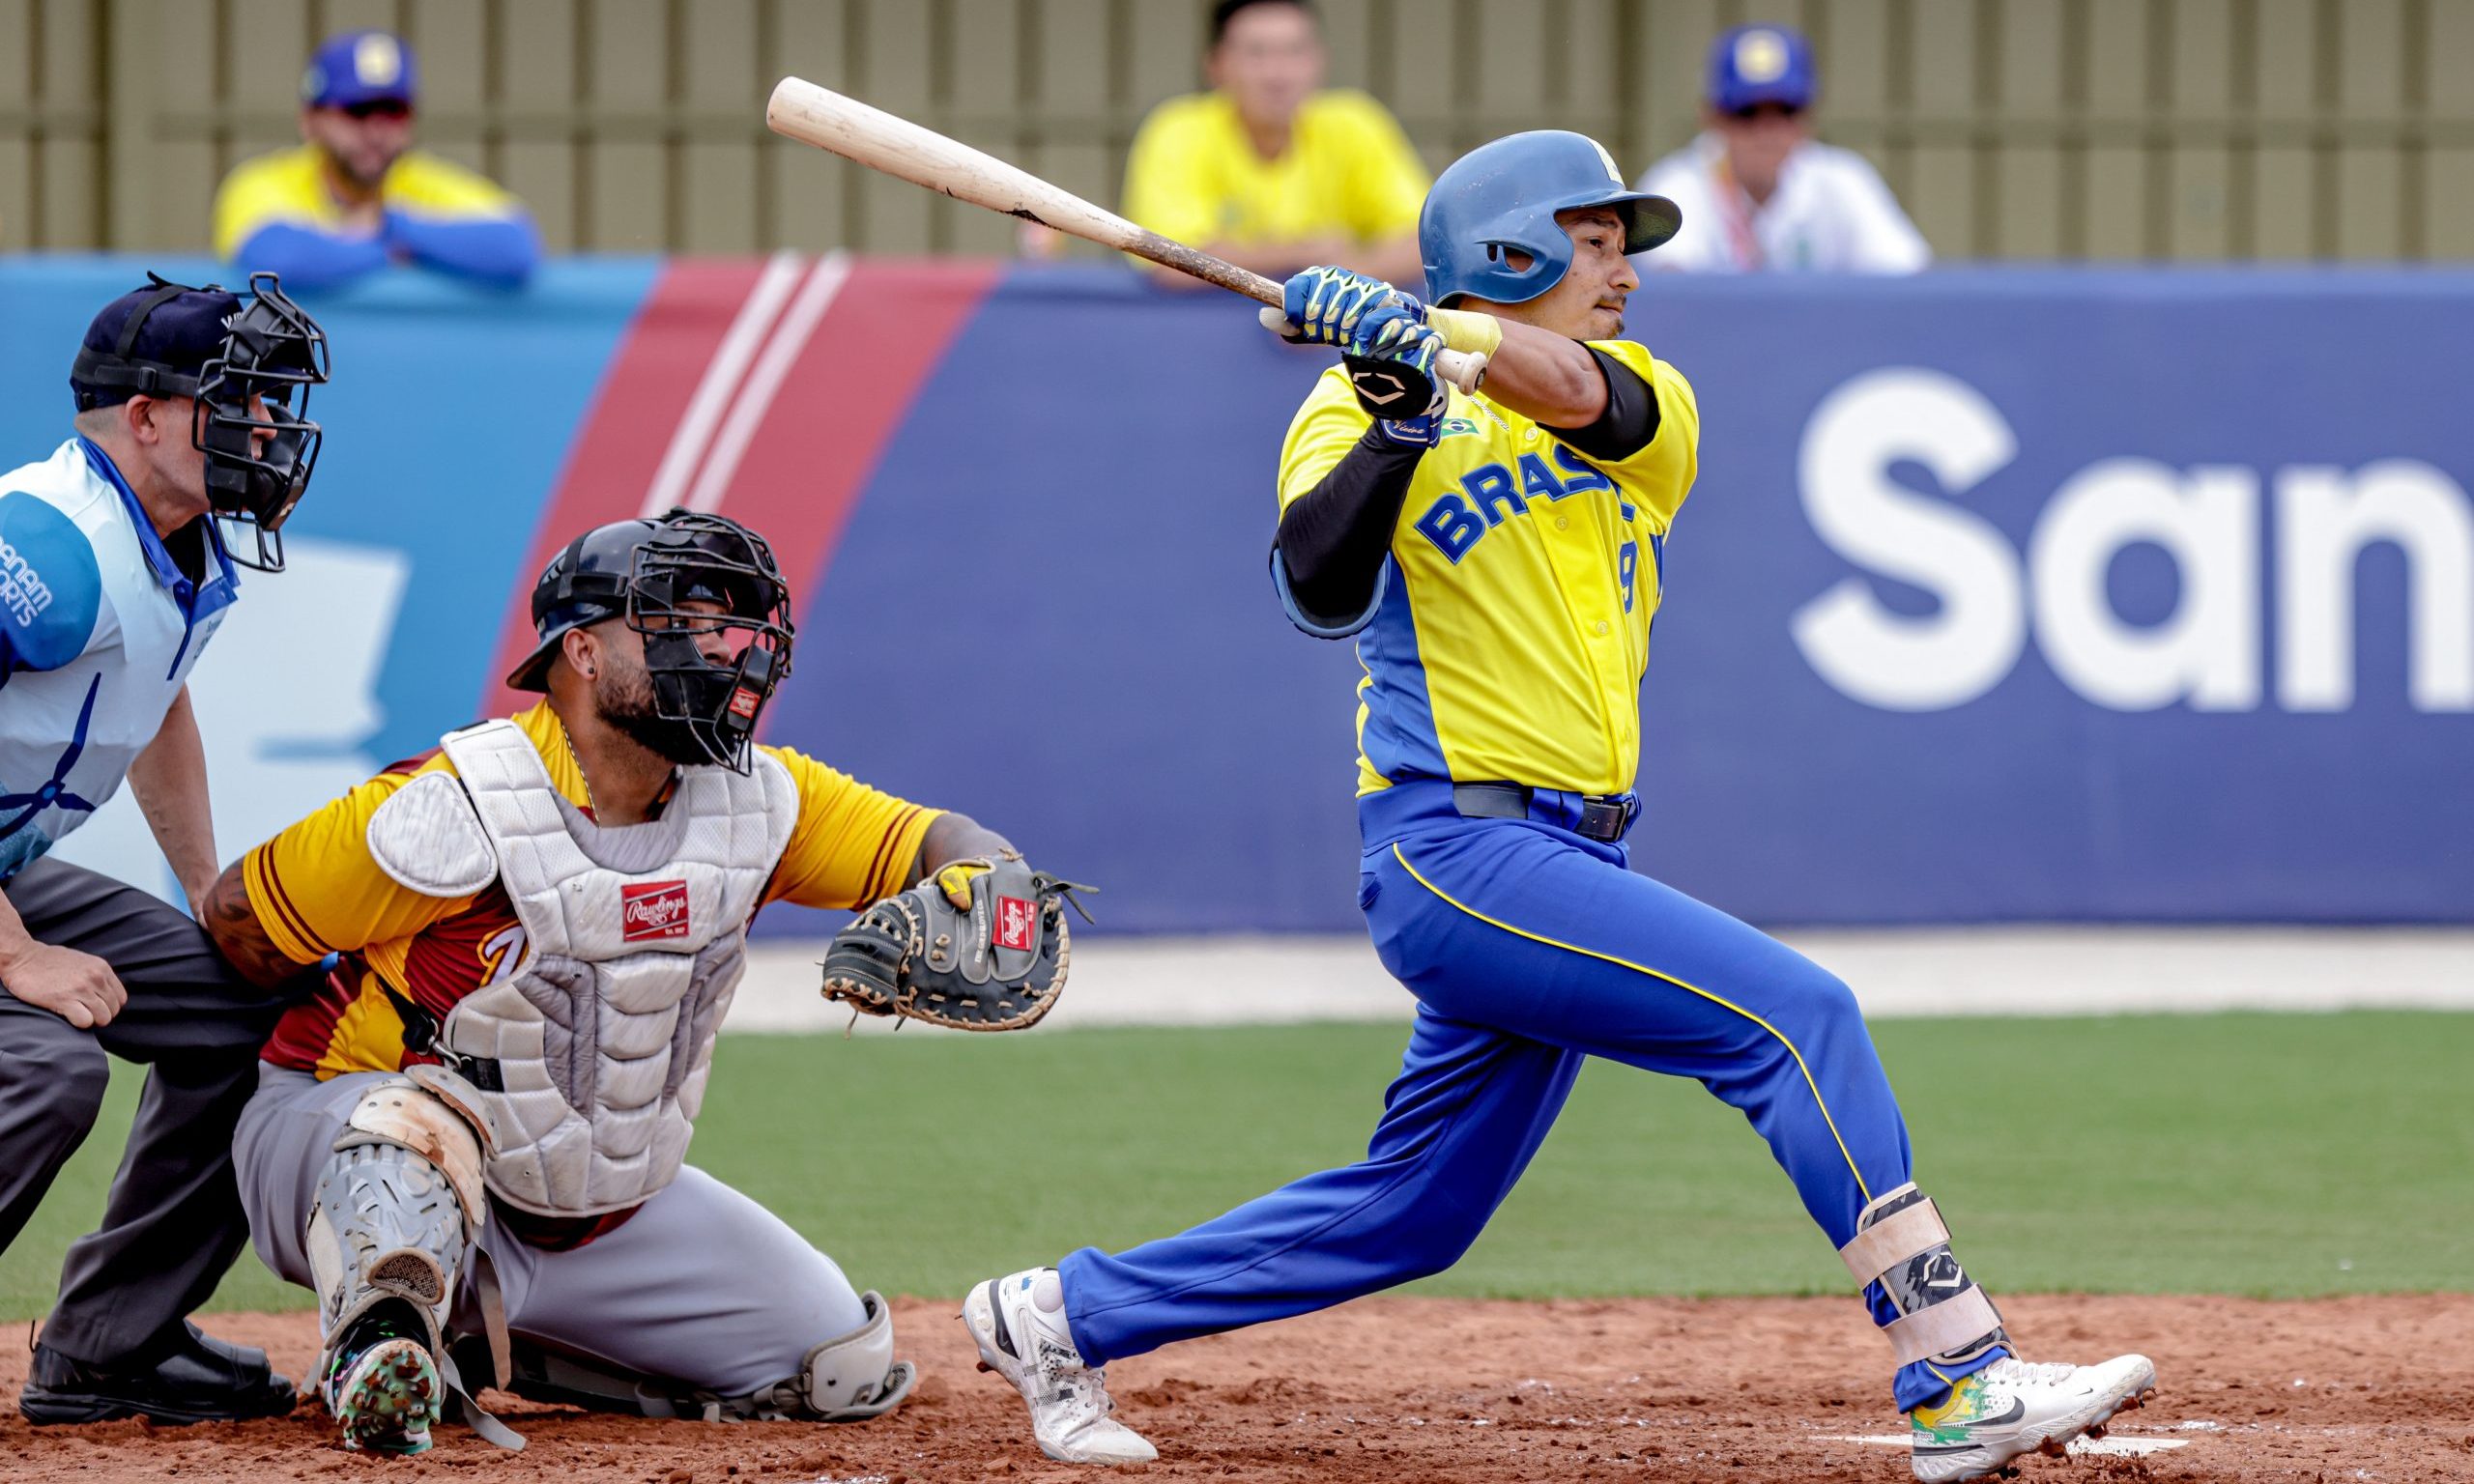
pixel 114 574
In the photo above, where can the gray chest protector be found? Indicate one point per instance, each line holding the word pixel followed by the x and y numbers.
pixel 635 937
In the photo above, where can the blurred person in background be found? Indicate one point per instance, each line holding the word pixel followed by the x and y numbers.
pixel 114 576
pixel 1759 195
pixel 1270 170
pixel 355 196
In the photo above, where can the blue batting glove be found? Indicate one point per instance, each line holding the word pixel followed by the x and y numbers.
pixel 1391 328
pixel 1325 305
pixel 1391 367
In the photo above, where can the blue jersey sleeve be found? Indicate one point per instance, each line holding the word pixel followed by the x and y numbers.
pixel 307 258
pixel 51 587
pixel 493 249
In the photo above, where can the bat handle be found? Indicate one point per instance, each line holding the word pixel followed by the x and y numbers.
pixel 1465 370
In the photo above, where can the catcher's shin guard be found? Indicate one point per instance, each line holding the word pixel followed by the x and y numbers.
pixel 850 1378
pixel 1943 1317
pixel 398 1205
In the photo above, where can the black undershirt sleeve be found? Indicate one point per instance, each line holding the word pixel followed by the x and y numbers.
pixel 1334 538
pixel 1630 420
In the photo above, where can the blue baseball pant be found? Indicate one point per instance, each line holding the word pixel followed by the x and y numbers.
pixel 1528 948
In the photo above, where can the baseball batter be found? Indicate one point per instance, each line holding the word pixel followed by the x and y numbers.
pixel 471 1145
pixel 1500 559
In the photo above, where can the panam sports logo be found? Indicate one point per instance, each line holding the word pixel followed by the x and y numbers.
pixel 2214 522
pixel 22 590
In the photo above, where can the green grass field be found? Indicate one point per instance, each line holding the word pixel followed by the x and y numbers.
pixel 2262 1154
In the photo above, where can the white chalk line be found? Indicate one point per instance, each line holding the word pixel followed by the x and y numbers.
pixel 2078 1447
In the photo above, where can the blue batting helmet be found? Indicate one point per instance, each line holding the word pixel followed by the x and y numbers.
pixel 1505 195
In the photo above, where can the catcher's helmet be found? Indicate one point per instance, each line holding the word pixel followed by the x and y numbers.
pixel 645 571
pixel 1505 195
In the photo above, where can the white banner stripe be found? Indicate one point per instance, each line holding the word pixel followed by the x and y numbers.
pixel 687 441
pixel 764 381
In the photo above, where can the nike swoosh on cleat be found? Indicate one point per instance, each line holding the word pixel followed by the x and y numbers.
pixel 997 1322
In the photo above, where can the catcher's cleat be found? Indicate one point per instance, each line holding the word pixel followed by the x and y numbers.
pixel 2013 1408
pixel 386 1397
pixel 1018 1322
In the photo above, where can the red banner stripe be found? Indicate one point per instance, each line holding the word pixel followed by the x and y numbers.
pixel 619 445
pixel 846 397
pixel 847 388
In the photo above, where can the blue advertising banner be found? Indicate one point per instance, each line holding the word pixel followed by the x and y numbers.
pixel 2002 595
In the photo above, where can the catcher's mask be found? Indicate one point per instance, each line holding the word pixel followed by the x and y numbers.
pixel 172 340
pixel 676 581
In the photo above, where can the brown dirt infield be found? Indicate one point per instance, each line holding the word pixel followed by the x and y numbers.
pixel 1442 1391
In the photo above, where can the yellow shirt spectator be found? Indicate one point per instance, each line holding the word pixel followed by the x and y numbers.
pixel 278 211
pixel 1348 172
pixel 289 186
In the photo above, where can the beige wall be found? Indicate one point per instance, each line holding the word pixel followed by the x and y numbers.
pixel 2013 128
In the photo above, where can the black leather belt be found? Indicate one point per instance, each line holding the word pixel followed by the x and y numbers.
pixel 1604 817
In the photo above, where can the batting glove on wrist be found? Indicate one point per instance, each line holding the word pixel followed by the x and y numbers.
pixel 1391 367
pixel 1325 305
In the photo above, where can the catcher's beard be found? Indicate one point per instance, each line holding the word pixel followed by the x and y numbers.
pixel 623 696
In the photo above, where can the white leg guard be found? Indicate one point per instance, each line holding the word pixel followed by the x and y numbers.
pixel 398 1205
pixel 1901 1243
pixel 850 1378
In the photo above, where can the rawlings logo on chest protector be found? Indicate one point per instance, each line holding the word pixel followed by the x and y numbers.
pixel 652 910
pixel 1017 923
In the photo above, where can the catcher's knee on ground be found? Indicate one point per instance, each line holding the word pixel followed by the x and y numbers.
pixel 844 1377
pixel 398 1204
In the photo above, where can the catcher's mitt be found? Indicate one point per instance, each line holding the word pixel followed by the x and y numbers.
pixel 997 967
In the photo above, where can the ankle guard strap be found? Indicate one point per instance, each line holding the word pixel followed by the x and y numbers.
pixel 1902 1243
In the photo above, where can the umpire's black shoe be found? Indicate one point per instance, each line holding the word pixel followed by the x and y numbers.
pixel 198 1379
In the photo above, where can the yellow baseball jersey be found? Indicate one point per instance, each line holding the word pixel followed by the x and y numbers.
pixel 1512 627
pixel 289 186
pixel 1194 173
pixel 317 890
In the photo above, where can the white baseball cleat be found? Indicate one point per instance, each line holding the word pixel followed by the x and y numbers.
pixel 2013 1407
pixel 1018 1322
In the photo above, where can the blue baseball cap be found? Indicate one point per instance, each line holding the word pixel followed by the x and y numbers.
pixel 1761 64
pixel 151 341
pixel 361 66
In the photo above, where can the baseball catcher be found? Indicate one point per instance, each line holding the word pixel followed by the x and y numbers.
pixel 473 1143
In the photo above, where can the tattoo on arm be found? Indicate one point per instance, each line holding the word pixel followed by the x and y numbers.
pixel 235 927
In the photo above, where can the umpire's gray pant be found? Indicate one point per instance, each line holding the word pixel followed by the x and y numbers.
pixel 702 1285
pixel 172 1224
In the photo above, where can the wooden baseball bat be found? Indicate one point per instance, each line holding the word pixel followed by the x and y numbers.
pixel 801 110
